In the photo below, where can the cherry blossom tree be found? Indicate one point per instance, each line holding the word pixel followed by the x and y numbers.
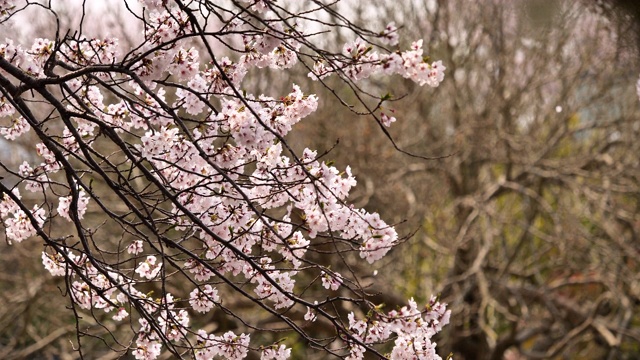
pixel 167 194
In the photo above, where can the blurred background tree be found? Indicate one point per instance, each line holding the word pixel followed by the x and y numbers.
pixel 529 225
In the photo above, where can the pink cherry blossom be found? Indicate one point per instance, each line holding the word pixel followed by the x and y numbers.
pixel 207 186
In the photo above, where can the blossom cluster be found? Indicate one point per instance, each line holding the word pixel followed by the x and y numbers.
pixel 359 61
pixel 412 327
pixel 5 7
pixel 17 223
pixel 221 177
pixel 18 127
